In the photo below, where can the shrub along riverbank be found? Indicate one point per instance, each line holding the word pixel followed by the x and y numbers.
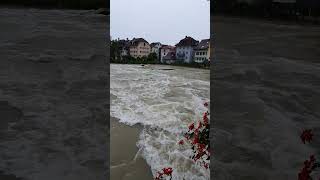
pixel 151 59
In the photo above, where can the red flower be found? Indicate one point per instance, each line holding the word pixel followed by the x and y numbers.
pixel 195 140
pixel 167 171
pixel 206 165
pixel 307 169
pixel 312 158
pixel 200 125
pixel 307 164
pixel 191 126
pixel 181 142
pixel 199 155
pixel 205 118
pixel 306 135
pixel 196 131
pixel 201 146
pixel 160 176
pixel 187 136
pixel 304 174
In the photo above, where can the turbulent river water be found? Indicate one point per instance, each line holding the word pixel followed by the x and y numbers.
pixel 164 100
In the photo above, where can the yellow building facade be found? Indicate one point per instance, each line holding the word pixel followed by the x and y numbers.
pixel 139 48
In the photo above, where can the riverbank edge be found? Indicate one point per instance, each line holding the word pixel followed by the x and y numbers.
pixel 178 65
pixel 125 162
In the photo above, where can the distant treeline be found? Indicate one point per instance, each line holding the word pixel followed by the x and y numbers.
pixel 266 8
pixel 63 4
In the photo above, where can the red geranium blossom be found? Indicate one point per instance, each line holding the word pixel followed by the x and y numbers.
pixel 181 142
pixel 195 140
pixel 206 165
pixel 306 135
pixel 191 126
pixel 205 118
pixel 307 169
pixel 199 125
pixel 165 171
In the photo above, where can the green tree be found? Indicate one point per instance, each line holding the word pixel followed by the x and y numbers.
pixel 152 58
pixel 115 52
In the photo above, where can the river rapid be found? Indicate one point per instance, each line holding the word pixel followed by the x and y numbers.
pixel 164 100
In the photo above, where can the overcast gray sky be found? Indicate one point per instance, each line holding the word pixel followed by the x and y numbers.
pixel 165 21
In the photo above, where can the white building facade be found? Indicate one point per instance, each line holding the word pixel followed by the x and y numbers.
pixel 185 49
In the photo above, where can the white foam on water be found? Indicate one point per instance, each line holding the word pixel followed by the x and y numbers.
pixel 165 102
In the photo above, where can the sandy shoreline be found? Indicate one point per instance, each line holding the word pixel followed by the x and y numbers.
pixel 125 164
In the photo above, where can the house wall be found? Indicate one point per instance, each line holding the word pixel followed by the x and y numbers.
pixel 142 49
pixel 185 53
pixel 124 52
pixel 163 53
pixel 201 55
pixel 156 49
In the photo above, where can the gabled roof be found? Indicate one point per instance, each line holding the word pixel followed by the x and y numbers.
pixel 155 43
pixel 124 43
pixel 204 44
pixel 187 41
pixel 167 47
pixel 136 41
